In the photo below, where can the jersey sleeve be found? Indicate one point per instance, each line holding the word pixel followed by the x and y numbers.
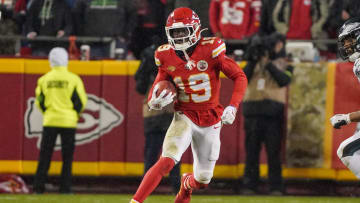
pixel 231 69
pixel 218 48
pixel 161 75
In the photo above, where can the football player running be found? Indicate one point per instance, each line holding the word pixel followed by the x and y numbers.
pixel 349 49
pixel 193 63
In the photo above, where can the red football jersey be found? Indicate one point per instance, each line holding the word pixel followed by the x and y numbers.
pixel 300 20
pixel 230 17
pixel 198 88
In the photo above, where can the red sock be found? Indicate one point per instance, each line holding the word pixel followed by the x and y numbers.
pixel 153 177
pixel 194 184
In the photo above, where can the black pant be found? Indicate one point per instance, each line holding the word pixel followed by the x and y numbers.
pixel 153 145
pixel 49 135
pixel 267 130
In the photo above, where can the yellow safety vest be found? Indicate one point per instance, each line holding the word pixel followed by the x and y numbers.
pixel 61 97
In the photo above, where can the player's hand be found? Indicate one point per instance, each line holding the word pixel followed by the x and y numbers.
pixel 157 103
pixel 339 120
pixel 228 115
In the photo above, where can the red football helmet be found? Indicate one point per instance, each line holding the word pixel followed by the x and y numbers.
pixel 183 28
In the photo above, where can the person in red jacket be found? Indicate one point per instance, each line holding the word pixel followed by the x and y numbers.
pixel 193 64
pixel 230 19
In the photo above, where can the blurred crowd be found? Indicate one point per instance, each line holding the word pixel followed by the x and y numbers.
pixel 132 24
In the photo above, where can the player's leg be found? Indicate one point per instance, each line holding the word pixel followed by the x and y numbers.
pixel 153 142
pixel 206 149
pixel 205 146
pixel 67 152
pixel 177 140
pixel 349 153
pixel 46 150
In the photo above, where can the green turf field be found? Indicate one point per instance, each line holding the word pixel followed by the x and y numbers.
pixel 81 198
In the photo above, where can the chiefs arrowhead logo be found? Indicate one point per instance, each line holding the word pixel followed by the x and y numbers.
pixel 89 126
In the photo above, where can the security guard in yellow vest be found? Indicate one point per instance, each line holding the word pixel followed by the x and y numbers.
pixel 61 97
pixel 263 108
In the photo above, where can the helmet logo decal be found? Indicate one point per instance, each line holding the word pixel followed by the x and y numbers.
pixel 202 65
pixel 195 16
pixel 98 118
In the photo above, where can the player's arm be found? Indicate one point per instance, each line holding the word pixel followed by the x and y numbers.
pixel 233 71
pixel 355 116
pixel 339 120
pixel 230 68
pixel 158 101
pixel 161 75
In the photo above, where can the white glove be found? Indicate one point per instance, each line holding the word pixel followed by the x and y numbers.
pixel 339 120
pixel 228 115
pixel 157 103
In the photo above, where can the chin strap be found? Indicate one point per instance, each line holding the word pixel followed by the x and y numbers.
pixel 203 30
pixel 190 63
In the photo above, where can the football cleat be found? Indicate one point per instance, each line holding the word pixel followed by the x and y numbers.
pixel 184 194
pixel 134 201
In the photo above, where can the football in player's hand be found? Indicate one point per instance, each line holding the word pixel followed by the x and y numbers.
pixel 165 85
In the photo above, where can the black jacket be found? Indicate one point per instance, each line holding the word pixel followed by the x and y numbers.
pixel 47 19
pixel 116 18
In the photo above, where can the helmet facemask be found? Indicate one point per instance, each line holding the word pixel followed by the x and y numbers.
pixel 347 46
pixel 181 36
pixel 348 40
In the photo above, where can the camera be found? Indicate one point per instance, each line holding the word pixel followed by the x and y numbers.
pixel 256 48
pixel 259 46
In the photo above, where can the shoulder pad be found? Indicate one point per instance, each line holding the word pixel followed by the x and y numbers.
pixel 215 44
pixel 159 53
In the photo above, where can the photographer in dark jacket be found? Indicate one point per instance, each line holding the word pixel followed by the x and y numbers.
pixel 268 74
pixel 156 123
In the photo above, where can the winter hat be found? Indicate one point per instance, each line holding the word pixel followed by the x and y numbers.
pixel 58 56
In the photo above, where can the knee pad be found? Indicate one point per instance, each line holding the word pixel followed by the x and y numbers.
pixel 165 164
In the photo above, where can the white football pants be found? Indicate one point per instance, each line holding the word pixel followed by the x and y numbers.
pixel 349 153
pixel 205 145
